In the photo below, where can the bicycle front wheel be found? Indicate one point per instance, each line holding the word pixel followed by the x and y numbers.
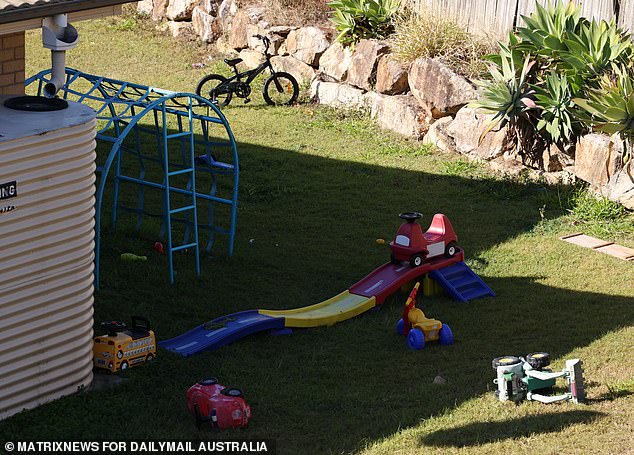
pixel 280 88
pixel 212 88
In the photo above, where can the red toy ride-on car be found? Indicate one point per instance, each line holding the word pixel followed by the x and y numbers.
pixel 224 407
pixel 410 244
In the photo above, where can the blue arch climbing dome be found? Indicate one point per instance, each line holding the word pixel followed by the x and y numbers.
pixel 159 139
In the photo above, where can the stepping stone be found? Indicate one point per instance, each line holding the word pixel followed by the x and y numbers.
pixel 610 248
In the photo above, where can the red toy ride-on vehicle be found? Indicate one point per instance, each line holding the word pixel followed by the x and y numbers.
pixel 410 244
pixel 224 407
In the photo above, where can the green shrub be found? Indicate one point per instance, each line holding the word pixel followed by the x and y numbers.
pixel 569 74
pixel 425 35
pixel 363 19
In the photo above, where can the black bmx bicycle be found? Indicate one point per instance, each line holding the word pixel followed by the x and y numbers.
pixel 279 88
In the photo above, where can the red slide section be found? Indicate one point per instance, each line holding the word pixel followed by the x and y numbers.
pixel 388 278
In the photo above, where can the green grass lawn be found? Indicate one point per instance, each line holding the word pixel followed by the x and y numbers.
pixel 317 188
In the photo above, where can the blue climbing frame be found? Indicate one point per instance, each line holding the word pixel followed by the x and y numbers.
pixel 162 140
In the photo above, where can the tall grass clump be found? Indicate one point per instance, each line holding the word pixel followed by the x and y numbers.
pixel 298 12
pixel 426 35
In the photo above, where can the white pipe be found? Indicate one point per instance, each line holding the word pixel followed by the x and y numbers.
pixel 58 72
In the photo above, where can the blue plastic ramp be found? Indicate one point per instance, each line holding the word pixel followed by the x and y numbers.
pixel 221 331
pixel 461 283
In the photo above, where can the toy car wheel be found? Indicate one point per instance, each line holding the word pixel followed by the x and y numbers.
pixel 416 339
pixel 451 250
pixel 209 381
pixel 232 392
pixel 538 360
pixel 505 361
pixel 416 260
pixel 445 336
pixel 149 358
pixel 400 327
pixel 124 366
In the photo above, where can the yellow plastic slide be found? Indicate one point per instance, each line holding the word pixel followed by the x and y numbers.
pixel 336 309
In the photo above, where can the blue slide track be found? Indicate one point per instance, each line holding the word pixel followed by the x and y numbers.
pixel 221 331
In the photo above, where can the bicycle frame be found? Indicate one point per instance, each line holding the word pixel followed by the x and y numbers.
pixel 251 74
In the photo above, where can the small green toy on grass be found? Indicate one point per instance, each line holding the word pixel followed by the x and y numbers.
pixel 520 378
pixel 131 257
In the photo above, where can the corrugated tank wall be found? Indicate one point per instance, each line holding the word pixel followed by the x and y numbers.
pixel 47 186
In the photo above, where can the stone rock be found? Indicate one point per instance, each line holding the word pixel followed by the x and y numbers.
pixel 465 131
pixel 159 10
pixel 282 49
pixel 437 87
pixel 554 159
pixel 439 380
pixel 300 70
pixel 207 27
pixel 181 30
pixel 180 10
pixel 145 7
pixel 307 44
pixel 336 61
pixel 227 9
pixel 337 95
pixel 255 13
pixel 438 136
pixel 391 76
pixel 598 161
pixel 362 71
pixel 401 114
pixel 251 58
pixel 210 6
pixel 282 30
pixel 238 38
pixel 507 167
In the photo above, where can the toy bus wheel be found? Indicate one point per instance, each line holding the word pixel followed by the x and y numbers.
pixel 538 360
pixel 416 260
pixel 445 336
pixel 416 339
pixel 124 366
pixel 400 327
pixel 450 250
pixel 505 361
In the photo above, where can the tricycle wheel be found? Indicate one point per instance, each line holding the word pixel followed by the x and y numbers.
pixel 416 339
pixel 400 327
pixel 416 260
pixel 445 336
pixel 450 250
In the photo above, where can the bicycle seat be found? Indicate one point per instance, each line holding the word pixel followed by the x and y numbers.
pixel 232 61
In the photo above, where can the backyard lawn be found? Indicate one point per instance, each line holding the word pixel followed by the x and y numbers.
pixel 317 188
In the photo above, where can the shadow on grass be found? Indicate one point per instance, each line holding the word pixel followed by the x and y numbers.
pixel 479 433
pixel 306 231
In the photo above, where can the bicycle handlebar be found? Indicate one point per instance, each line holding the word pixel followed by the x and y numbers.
pixel 264 39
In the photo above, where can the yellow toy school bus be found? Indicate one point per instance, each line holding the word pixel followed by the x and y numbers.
pixel 124 347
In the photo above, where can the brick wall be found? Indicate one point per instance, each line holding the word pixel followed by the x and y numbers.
pixel 12 64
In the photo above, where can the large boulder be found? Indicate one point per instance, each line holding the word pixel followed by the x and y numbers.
pixel 599 161
pixel 300 70
pixel 307 44
pixel 159 9
pixel 282 30
pixel 391 76
pixel 336 61
pixel 438 137
pixel 465 132
pixel 251 58
pixel 210 6
pixel 337 95
pixel 207 27
pixel 145 7
pixel 180 10
pixel 438 88
pixel 238 37
pixel 362 72
pixel 181 30
pixel 226 11
pixel 401 114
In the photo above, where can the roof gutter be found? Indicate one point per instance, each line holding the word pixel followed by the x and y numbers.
pixel 40 11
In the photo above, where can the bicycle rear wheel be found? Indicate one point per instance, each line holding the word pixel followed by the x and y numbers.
pixel 210 87
pixel 280 88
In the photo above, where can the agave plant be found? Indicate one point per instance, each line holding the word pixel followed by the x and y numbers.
pixel 362 19
pixel 509 96
pixel 610 108
pixel 549 27
pixel 554 99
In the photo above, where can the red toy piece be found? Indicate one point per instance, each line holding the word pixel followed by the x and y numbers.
pixel 224 407
pixel 158 247
pixel 410 244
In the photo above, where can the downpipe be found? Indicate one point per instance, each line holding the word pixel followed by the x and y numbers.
pixel 58 36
